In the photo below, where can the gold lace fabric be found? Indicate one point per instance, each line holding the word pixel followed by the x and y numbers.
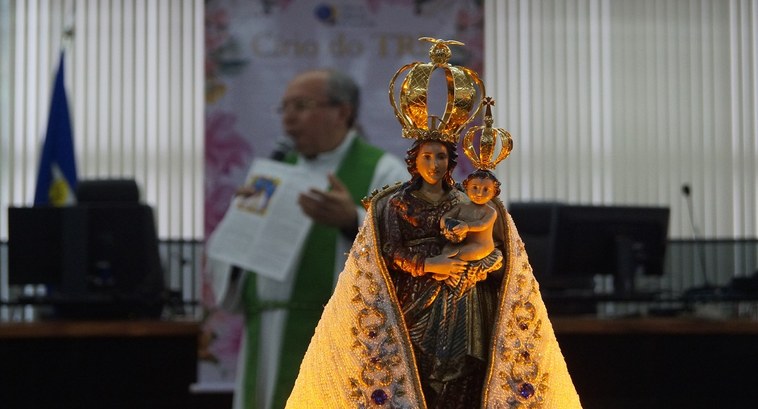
pixel 361 354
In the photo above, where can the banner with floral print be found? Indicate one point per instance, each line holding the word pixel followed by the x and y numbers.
pixel 254 47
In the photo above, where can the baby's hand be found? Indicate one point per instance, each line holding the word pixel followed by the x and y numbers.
pixel 448 223
pixel 461 229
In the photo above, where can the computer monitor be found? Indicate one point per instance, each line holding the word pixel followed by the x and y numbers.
pixel 571 244
pixel 95 259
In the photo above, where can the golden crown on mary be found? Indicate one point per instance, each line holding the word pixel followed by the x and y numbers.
pixel 465 100
pixel 464 94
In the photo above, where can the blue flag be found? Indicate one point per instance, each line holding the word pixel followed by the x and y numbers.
pixel 56 180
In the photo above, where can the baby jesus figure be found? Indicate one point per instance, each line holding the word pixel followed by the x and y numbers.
pixel 468 227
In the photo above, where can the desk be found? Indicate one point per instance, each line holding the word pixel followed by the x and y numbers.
pixel 661 362
pixel 108 364
pixel 653 326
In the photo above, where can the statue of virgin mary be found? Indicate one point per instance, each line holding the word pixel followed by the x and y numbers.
pixel 398 331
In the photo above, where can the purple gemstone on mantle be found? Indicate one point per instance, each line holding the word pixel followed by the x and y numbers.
pixel 372 334
pixel 379 397
pixel 526 390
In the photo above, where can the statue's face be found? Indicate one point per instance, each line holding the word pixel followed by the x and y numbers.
pixel 480 190
pixel 432 162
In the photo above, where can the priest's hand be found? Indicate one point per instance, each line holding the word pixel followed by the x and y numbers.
pixel 333 207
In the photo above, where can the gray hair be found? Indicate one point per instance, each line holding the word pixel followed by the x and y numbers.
pixel 342 89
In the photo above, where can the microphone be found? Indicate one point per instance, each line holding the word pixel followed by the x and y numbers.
pixel 284 146
pixel 688 198
pixel 707 288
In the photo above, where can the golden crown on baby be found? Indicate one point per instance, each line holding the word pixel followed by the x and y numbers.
pixel 465 99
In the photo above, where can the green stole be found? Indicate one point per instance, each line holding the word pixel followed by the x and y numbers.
pixel 312 287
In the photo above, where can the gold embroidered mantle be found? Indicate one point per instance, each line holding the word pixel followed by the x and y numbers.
pixel 361 357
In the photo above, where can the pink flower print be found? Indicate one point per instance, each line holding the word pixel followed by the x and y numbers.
pixel 225 148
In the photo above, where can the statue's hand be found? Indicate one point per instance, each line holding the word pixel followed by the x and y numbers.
pixel 442 267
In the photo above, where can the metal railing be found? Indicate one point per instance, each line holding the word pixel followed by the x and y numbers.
pixel 689 264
